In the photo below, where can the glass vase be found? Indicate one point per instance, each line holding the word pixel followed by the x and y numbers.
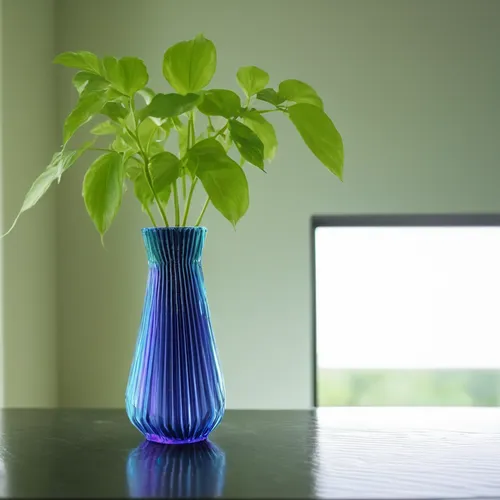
pixel 175 392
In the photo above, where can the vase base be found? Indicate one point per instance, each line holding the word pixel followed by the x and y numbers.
pixel 163 440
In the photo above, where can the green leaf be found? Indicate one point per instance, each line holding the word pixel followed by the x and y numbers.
pixel 248 143
pixel 135 172
pixel 123 143
pixel 264 130
pixel 86 61
pixel 226 141
pixel 164 169
pixel 85 81
pixel 127 75
pixel 252 79
pixel 37 190
pixel 142 190
pixel 182 133
pixel 189 66
pixel 156 148
pixel 133 167
pixel 88 105
pixel 223 179
pixel 105 128
pixel 150 132
pixel 270 96
pixel 60 162
pixel 170 105
pixel 320 135
pixel 114 110
pixel 147 94
pixel 299 92
pixel 167 128
pixel 103 190
pixel 68 158
pixel 220 102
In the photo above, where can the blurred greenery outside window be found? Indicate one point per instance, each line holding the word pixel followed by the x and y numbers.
pixel 408 387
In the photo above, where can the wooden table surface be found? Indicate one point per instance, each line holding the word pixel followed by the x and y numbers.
pixel 350 453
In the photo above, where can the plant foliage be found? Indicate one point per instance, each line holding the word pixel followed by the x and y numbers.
pixel 217 133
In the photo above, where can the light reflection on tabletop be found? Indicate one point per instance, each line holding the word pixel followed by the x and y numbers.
pixel 407 453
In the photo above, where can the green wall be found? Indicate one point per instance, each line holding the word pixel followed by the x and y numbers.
pixel 412 86
pixel 28 140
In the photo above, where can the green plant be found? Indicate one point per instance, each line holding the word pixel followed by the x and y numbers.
pixel 212 126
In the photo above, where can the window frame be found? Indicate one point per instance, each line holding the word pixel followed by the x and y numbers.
pixel 382 220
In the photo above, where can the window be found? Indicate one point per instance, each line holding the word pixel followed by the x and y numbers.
pixel 407 310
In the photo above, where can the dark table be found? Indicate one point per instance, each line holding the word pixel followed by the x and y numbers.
pixel 329 453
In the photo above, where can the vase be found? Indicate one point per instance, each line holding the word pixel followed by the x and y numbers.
pixel 192 471
pixel 175 392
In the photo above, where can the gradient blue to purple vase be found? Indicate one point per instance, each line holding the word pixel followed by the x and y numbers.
pixel 175 392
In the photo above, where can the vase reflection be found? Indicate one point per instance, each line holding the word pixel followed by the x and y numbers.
pixel 191 470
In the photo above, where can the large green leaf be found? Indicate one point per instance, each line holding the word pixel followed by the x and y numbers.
pixel 223 179
pixel 86 61
pixel 264 130
pixel 127 75
pixel 164 168
pixel 189 66
pixel 85 81
pixel 220 102
pixel 252 79
pixel 88 105
pixel 61 161
pixel 248 143
pixel 103 190
pixel 270 96
pixel 114 110
pixel 170 105
pixel 320 135
pixel 299 92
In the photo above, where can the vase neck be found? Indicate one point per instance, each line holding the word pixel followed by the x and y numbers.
pixel 173 244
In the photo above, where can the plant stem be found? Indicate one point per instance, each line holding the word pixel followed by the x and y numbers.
pixel 146 208
pixel 222 130
pixel 188 202
pixel 102 149
pixel 184 187
pixel 262 111
pixel 176 203
pixel 147 173
pixel 210 125
pixel 203 210
pixel 191 130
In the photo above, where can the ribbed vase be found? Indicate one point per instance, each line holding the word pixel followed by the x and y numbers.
pixel 175 392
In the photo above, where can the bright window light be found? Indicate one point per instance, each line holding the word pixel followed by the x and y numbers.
pixel 408 297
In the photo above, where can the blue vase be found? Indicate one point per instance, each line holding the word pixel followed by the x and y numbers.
pixel 175 392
